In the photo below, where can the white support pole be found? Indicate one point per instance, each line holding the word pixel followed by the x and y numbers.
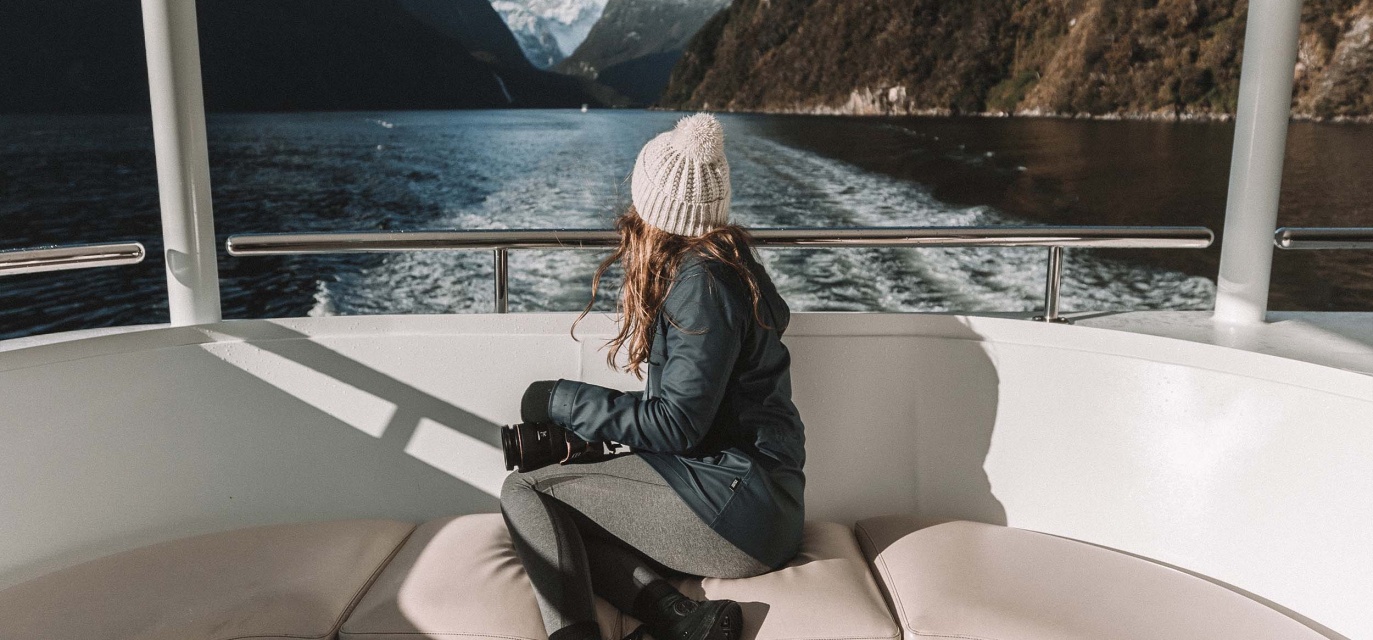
pixel 183 161
pixel 1251 212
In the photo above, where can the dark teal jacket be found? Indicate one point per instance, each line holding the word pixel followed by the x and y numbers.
pixel 716 417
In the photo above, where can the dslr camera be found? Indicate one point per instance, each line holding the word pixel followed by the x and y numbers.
pixel 534 445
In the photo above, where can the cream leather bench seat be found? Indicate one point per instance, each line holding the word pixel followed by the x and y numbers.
pixel 459 577
pixel 286 581
pixel 985 582
pixel 455 577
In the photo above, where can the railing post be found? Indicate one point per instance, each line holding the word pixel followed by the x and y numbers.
pixel 502 278
pixel 1053 281
pixel 183 163
pixel 1251 211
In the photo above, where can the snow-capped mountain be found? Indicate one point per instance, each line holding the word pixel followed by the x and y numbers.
pixel 636 43
pixel 549 30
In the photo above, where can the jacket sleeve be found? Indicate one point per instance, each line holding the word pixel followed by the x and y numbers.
pixel 703 342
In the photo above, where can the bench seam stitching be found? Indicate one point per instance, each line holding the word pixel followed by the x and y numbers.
pixel 886 576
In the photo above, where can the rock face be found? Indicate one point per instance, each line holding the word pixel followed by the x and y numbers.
pixel 1105 58
pixel 549 30
pixel 472 23
pixel 1335 64
pixel 636 43
pixel 278 55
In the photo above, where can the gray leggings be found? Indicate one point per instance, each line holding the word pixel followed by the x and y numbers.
pixel 614 525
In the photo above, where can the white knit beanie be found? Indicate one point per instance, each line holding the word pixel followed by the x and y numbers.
pixel 681 179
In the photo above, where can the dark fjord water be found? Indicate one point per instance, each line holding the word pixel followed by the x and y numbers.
pixel 91 179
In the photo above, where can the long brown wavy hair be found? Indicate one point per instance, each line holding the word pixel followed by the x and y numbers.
pixel 650 258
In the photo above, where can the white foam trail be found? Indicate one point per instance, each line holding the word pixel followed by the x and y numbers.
pixel 944 279
pixel 563 179
pixel 553 182
pixel 324 302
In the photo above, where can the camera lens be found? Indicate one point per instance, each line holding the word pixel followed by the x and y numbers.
pixel 532 446
pixel 510 444
pixel 541 444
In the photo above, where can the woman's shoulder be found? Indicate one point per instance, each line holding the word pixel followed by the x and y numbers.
pixel 701 270
pixel 699 261
pixel 694 264
pixel 704 280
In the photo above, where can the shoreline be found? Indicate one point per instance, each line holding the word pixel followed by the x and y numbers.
pixel 1133 116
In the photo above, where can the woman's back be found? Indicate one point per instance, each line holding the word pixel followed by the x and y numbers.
pixel 753 449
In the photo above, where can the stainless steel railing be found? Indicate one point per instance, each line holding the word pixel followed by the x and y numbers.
pixel 79 256
pixel 502 241
pixel 1309 238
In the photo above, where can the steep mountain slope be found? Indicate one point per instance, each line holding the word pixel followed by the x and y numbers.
pixel 277 55
pixel 1140 58
pixel 549 30
pixel 634 46
pixel 363 54
pixel 474 24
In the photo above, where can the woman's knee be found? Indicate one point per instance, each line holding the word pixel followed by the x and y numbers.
pixel 515 485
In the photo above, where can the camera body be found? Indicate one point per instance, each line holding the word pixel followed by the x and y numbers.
pixel 534 445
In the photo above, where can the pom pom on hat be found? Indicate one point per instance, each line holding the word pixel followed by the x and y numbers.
pixel 681 178
pixel 699 137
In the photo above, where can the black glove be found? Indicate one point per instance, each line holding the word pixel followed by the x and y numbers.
pixel 537 398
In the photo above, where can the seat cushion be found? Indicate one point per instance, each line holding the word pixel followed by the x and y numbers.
pixel 284 581
pixel 460 577
pixel 825 593
pixel 972 580
pixel 457 577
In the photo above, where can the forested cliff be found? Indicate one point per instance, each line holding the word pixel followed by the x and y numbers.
pixel 1105 58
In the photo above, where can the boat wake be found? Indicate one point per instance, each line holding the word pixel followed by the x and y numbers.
pixel 775 185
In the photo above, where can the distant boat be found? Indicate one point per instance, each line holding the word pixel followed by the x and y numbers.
pixel 583 108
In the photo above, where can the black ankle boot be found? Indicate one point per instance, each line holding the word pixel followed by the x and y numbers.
pixel 669 615
pixel 703 620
